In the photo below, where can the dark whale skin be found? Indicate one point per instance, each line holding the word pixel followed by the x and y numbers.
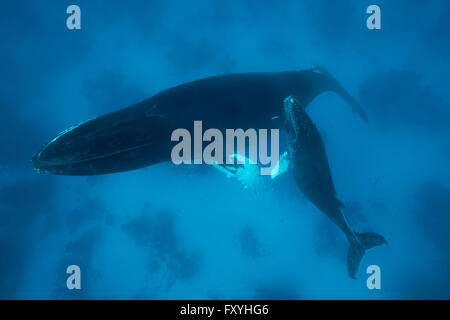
pixel 310 165
pixel 312 174
pixel 139 136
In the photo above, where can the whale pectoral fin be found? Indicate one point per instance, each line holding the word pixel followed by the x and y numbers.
pixel 281 167
pixel 228 170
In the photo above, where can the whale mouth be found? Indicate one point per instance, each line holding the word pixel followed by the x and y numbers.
pixel 92 165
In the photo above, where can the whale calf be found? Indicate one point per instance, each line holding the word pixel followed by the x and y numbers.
pixel 139 136
pixel 313 177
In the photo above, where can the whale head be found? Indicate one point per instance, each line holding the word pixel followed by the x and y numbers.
pixel 293 113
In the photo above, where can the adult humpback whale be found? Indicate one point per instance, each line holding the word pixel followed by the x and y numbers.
pixel 312 174
pixel 139 135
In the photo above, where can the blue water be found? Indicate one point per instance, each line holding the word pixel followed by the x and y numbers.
pixel 167 232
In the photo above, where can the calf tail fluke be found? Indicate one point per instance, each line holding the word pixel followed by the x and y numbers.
pixel 358 246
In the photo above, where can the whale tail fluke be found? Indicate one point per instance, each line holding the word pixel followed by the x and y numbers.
pixel 357 248
pixel 340 90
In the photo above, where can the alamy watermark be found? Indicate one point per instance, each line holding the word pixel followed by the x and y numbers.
pixel 73 22
pixel 214 152
pixel 74 280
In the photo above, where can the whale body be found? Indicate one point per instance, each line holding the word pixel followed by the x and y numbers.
pixel 312 174
pixel 139 136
